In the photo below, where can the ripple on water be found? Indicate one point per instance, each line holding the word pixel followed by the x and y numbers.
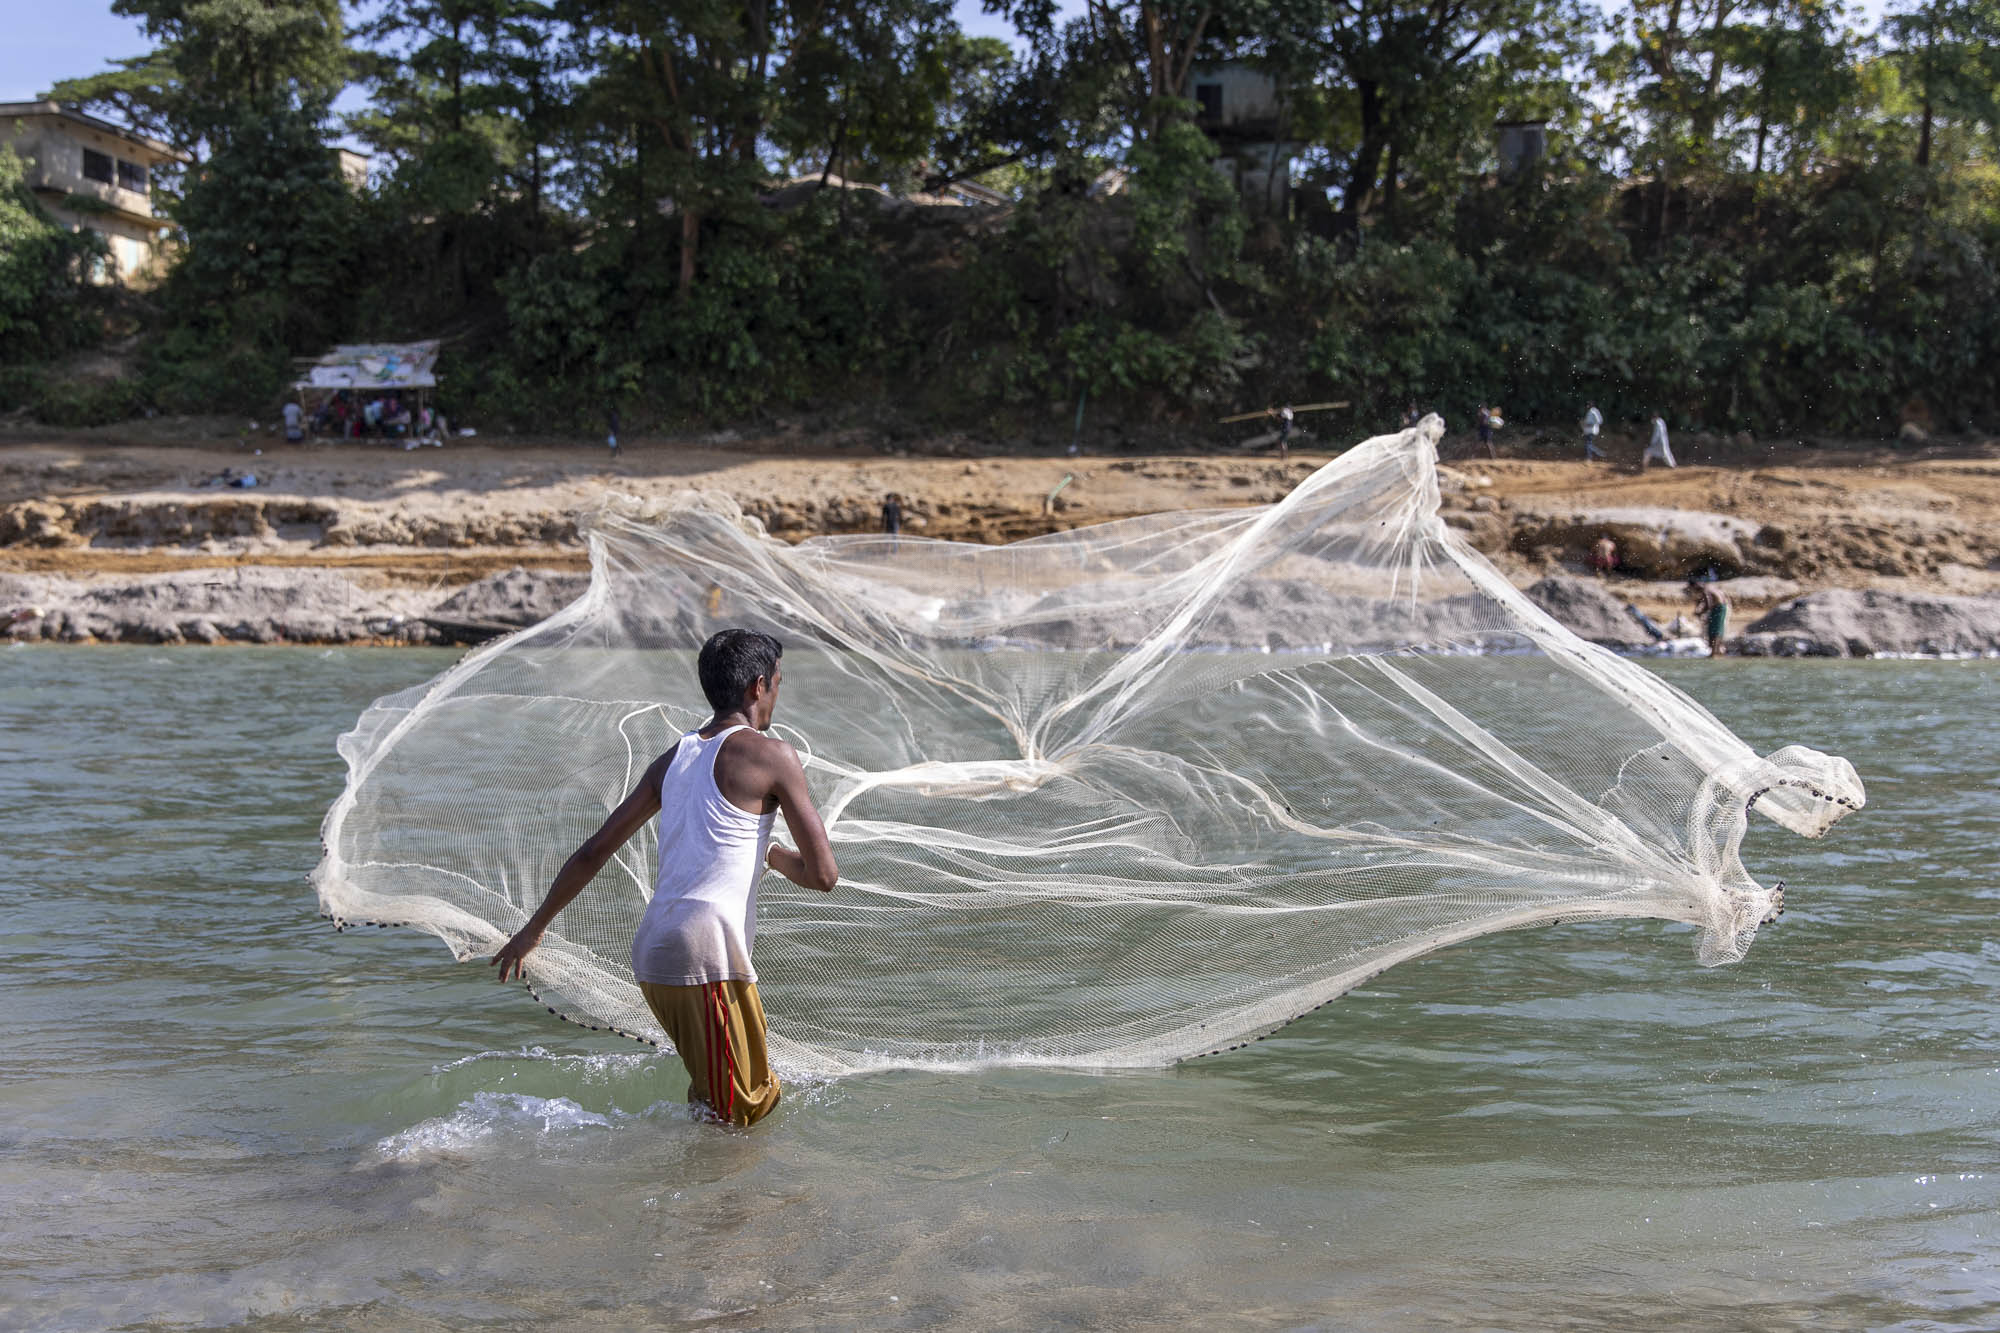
pixel 213 1110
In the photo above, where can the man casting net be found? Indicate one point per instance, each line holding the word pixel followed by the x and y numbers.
pixel 1114 796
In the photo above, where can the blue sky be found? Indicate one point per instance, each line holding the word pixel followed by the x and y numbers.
pixel 59 39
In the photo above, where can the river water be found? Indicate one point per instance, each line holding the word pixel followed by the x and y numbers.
pixel 215 1111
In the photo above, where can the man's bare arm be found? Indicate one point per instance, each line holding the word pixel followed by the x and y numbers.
pixel 812 865
pixel 584 863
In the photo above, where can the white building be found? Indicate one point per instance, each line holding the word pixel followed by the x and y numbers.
pixel 1238 107
pixel 89 173
pixel 353 167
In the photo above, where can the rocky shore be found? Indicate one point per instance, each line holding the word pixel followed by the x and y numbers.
pixel 1847 555
pixel 264 605
pixel 257 604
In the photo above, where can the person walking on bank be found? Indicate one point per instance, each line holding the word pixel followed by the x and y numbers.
pixel 1657 446
pixel 1483 419
pixel 1593 422
pixel 611 437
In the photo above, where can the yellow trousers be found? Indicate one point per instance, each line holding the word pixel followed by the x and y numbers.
pixel 719 1031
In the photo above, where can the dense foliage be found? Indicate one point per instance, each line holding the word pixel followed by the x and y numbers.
pixel 44 267
pixel 1749 213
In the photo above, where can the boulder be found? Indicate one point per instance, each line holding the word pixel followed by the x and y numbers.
pixel 1588 611
pixel 518 597
pixel 1848 622
pixel 1652 542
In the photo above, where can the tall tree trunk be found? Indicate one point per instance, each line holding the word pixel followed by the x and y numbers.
pixel 457 76
pixel 1391 171
pixel 690 239
pixel 1924 134
pixel 1662 188
pixel 1368 157
pixel 1704 117
pixel 1156 66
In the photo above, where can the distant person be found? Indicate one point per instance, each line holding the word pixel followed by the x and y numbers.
pixel 1285 431
pixel 1593 422
pixel 892 519
pixel 716 792
pixel 1483 422
pixel 371 416
pixel 295 423
pixel 1411 417
pixel 1657 446
pixel 1604 556
pixel 611 438
pixel 1713 610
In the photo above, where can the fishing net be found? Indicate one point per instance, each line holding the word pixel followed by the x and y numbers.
pixel 1114 796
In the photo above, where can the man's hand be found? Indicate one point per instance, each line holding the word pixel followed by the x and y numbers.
pixel 514 953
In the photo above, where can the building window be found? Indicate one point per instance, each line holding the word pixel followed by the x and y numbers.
pixel 131 176
pixel 97 166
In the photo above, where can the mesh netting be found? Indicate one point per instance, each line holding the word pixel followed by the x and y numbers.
pixel 1114 796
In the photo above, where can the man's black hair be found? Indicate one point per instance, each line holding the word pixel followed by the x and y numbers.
pixel 731 660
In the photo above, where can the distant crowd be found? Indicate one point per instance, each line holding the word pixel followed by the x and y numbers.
pixel 383 416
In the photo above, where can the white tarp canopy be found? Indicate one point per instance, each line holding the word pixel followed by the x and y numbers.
pixel 375 366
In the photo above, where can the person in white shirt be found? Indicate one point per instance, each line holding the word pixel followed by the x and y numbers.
pixel 1657 446
pixel 717 792
pixel 294 423
pixel 1593 422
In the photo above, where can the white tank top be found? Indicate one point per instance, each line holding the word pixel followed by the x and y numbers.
pixel 702 918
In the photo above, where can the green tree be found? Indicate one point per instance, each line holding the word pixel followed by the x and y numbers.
pixel 217 61
pixel 1406 83
pixel 1948 54
pixel 464 96
pixel 44 269
pixel 270 265
pixel 1796 75
pixel 708 87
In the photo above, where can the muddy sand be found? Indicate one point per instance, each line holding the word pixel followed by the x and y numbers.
pixel 110 537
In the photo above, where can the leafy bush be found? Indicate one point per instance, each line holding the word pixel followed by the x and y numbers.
pixel 89 402
pixel 44 296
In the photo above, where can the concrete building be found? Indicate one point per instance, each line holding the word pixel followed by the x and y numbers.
pixel 1520 144
pixel 353 167
pixel 90 173
pixel 1239 108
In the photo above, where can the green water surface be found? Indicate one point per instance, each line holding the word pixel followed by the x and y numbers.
pixel 215 1111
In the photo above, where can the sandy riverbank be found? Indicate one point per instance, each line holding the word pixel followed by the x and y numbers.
pixel 130 538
